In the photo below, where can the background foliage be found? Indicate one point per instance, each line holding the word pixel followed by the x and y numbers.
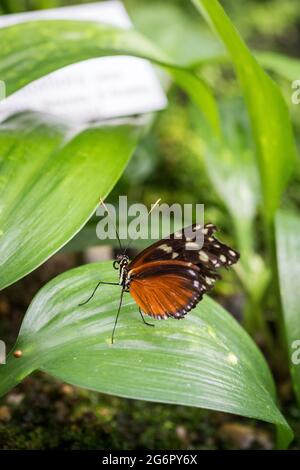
pixel 228 143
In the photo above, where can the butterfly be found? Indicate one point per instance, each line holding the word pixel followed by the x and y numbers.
pixel 170 277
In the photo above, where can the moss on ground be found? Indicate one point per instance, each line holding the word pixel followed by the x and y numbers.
pixel 43 413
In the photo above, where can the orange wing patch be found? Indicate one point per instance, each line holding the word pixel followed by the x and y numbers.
pixel 166 289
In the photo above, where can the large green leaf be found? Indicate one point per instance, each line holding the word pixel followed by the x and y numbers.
pixel 268 111
pixel 288 258
pixel 31 50
pixel 206 360
pixel 51 180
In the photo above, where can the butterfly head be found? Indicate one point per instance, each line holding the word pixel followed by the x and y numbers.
pixel 121 261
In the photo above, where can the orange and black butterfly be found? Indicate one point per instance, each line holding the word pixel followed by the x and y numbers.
pixel 169 278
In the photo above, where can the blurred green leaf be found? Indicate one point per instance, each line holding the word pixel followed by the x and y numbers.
pixel 31 50
pixel 288 259
pixel 232 170
pixel 207 360
pixel 185 41
pixel 230 161
pixel 51 179
pixel 268 112
pixel 283 65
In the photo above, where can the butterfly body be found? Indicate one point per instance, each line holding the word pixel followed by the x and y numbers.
pixel 169 278
pixel 121 263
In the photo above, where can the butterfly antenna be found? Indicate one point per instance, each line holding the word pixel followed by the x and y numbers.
pixel 117 316
pixel 152 209
pixel 115 227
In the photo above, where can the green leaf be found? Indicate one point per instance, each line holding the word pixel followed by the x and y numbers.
pixel 283 65
pixel 288 259
pixel 180 39
pixel 230 162
pixel 31 50
pixel 51 180
pixel 231 168
pixel 268 112
pixel 206 360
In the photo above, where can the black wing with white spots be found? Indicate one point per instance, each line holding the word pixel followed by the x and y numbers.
pixel 195 244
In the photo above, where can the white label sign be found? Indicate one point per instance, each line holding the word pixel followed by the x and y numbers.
pixel 95 89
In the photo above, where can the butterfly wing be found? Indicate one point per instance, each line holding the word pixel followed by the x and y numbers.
pixel 170 277
pixel 195 244
pixel 165 289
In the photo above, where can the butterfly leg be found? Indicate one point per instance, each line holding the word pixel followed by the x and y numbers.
pixel 146 323
pixel 94 291
pixel 117 316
